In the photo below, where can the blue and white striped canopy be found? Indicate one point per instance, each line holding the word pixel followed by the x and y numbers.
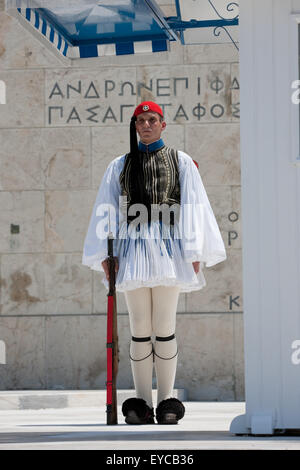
pixel 95 28
pixel 98 28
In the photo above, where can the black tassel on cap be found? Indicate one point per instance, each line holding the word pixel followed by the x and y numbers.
pixel 134 150
pixel 136 180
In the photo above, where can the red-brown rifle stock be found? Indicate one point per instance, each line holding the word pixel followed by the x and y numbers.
pixel 112 340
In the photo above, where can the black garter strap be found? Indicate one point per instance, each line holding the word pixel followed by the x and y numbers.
pixel 165 358
pixel 141 340
pixel 164 338
pixel 158 338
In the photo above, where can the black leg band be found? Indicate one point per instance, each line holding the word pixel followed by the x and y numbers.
pixel 164 338
pixel 141 340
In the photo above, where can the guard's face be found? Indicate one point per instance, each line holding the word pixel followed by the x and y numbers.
pixel 149 127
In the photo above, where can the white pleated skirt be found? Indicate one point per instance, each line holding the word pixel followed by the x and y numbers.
pixel 150 255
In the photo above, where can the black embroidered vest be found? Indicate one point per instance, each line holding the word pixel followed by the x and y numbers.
pixel 161 180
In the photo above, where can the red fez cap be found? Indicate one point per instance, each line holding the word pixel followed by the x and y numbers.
pixel 147 106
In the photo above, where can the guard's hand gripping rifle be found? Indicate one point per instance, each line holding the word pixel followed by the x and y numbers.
pixel 112 339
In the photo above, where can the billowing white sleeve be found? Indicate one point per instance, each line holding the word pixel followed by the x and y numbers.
pixel 201 237
pixel 105 214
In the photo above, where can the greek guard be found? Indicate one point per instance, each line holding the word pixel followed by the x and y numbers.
pixel 165 232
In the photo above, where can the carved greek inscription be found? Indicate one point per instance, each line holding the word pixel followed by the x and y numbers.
pixel 235 106
pixel 233 301
pixel 185 99
pixel 232 234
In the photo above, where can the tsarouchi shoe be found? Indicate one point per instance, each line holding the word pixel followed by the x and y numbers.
pixel 169 411
pixel 136 411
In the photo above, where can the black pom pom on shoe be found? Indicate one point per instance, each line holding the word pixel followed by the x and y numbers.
pixel 170 411
pixel 136 411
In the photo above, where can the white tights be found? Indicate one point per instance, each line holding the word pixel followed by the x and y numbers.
pixel 152 311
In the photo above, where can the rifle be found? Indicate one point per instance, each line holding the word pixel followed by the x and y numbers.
pixel 112 339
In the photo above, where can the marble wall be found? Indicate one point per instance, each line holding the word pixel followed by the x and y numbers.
pixel 59 129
